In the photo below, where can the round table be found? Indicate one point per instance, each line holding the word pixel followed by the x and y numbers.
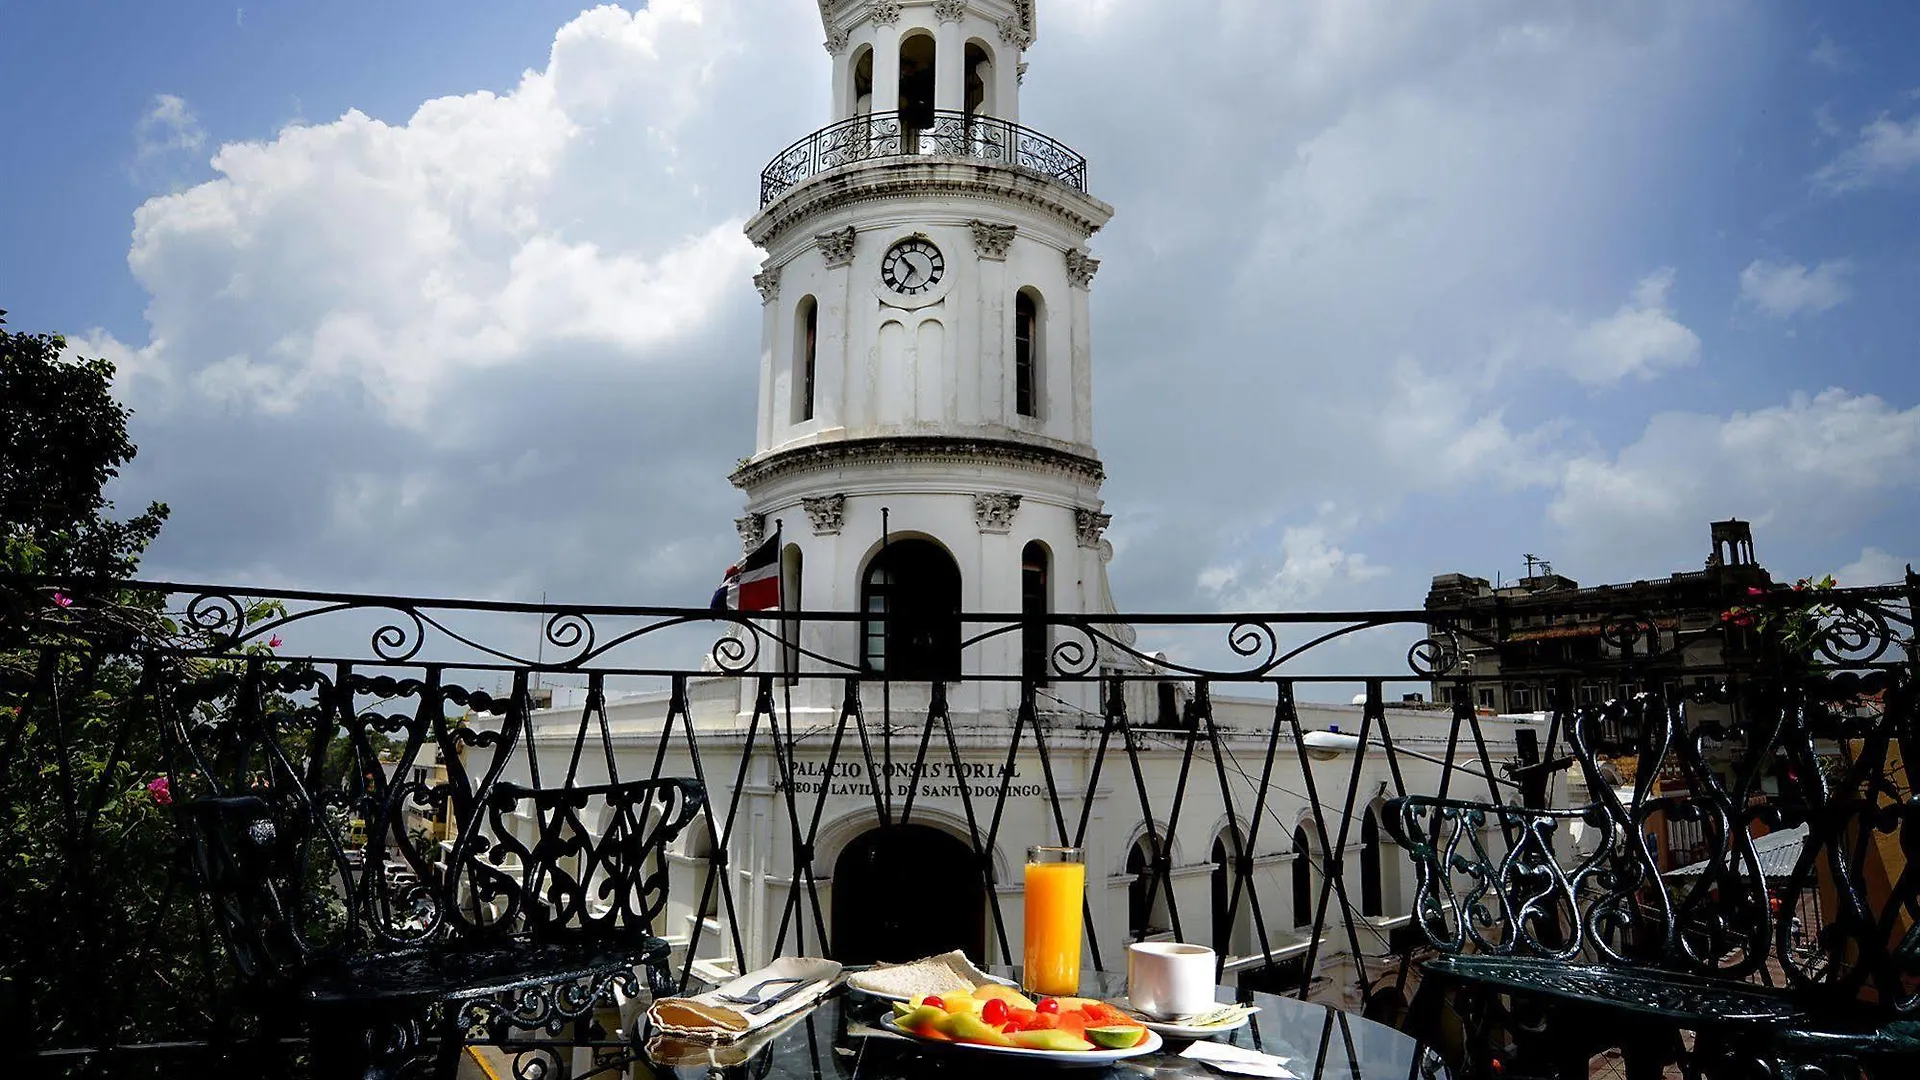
pixel 841 1039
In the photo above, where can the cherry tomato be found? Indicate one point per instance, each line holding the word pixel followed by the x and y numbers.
pixel 994 1012
pixel 1047 1005
pixel 933 1001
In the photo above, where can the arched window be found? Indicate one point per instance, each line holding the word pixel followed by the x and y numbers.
pixel 911 597
pixel 1033 604
pixel 1026 353
pixel 1146 906
pixel 806 347
pixel 978 98
pixel 1302 879
pixel 917 56
pixel 862 82
pixel 1222 895
pixel 790 596
pixel 1370 900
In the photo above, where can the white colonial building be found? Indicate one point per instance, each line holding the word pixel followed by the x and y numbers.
pixel 923 447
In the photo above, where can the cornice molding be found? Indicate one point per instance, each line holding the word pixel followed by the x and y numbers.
pixel 918 449
pixel 958 178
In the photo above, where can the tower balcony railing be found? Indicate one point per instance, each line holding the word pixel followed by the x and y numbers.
pixel 1251 774
pixel 900 136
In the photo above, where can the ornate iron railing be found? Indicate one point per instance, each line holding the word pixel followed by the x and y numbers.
pixel 902 136
pixel 1253 758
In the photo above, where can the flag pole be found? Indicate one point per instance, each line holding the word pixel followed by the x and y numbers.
pixel 886 666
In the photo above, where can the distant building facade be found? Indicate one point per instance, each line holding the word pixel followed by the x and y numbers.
pixel 1543 625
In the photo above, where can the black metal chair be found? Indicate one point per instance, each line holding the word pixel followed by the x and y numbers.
pixel 1552 949
pixel 531 934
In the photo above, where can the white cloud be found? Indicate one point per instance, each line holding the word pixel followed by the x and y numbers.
pixel 166 134
pixel 1783 290
pixel 468 238
pixel 1640 341
pixel 1873 567
pixel 1828 54
pixel 1309 565
pixel 1885 149
pixel 1811 465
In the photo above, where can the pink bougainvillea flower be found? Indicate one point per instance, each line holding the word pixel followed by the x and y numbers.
pixel 62 600
pixel 273 642
pixel 161 791
pixel 1755 590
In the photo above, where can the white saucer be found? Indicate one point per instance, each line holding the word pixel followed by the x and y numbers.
pixel 1183 1031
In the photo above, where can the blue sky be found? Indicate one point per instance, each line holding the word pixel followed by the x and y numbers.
pixel 1391 290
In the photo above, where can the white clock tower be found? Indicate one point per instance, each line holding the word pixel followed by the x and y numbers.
pixel 925 428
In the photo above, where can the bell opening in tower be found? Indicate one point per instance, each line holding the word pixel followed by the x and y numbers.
pixel 911 597
pixel 917 55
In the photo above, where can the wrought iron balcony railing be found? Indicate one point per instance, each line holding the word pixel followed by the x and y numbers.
pixel 902 136
pixel 1242 801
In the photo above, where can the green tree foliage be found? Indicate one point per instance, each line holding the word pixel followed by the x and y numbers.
pixel 63 438
pixel 92 919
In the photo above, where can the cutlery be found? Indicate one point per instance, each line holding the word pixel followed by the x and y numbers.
pixel 752 997
pixel 780 997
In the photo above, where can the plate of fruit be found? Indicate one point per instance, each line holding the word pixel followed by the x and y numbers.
pixel 998 1019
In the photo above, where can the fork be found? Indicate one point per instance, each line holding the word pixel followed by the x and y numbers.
pixel 752 997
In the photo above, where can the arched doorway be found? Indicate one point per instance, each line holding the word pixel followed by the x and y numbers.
pixel 906 892
pixel 1302 879
pixel 1370 899
pixel 911 596
pixel 1148 910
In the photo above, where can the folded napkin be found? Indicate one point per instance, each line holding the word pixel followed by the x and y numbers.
pixel 1238 1059
pixel 679 1052
pixel 705 1018
pixel 931 975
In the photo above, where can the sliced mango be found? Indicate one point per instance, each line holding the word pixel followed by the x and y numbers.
pixel 968 1028
pixel 1050 1040
pixel 1013 998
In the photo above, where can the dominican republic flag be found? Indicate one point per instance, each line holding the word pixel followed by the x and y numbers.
pixel 753 585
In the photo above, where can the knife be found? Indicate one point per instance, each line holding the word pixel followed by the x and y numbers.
pixel 780 997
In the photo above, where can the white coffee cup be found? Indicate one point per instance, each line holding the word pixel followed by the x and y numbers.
pixel 1168 979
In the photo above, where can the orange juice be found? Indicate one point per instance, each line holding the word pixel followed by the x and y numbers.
pixel 1055 892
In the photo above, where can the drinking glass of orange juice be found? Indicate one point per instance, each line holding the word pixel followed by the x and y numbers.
pixel 1056 890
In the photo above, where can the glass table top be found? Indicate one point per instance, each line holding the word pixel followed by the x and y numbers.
pixel 841 1039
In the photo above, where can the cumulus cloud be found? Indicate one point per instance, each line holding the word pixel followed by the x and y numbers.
pixel 1783 290
pixel 1308 564
pixel 1639 341
pixel 508 344
pixel 1884 150
pixel 502 344
pixel 1814 462
pixel 166 134
pixel 1873 567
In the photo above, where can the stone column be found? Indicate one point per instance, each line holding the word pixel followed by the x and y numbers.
pixel 950 69
pixel 1080 271
pixel 768 282
pixel 886 69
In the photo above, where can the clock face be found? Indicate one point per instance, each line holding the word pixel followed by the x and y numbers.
pixel 913 266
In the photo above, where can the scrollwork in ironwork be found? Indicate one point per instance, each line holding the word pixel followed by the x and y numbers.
pixel 949 133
